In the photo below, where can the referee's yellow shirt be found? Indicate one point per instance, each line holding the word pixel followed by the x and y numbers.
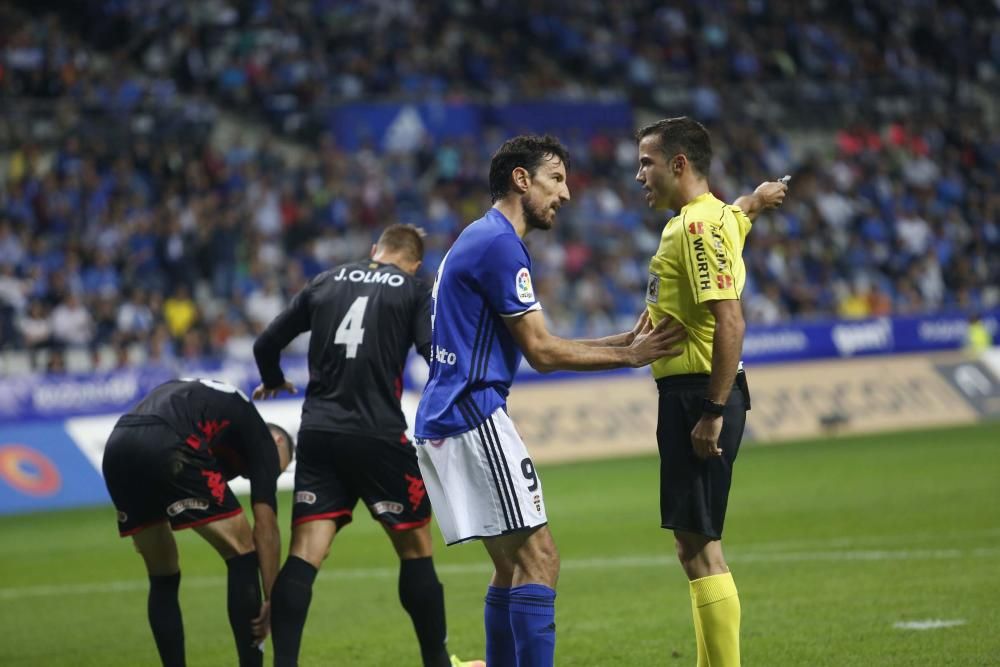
pixel 700 259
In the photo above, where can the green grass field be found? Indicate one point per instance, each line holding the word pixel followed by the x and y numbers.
pixel 831 544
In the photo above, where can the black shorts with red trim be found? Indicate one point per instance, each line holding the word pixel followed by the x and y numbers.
pixel 154 476
pixel 694 493
pixel 335 470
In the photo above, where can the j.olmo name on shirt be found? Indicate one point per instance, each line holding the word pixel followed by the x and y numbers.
pixel 359 276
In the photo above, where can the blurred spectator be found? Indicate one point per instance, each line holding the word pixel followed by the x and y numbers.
pixel 71 322
pixel 179 311
pixel 121 199
pixel 35 326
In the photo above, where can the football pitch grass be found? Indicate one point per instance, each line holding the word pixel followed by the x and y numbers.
pixel 832 543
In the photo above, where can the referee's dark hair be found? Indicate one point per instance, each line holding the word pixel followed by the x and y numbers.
pixel 274 428
pixel 527 151
pixel 404 238
pixel 682 135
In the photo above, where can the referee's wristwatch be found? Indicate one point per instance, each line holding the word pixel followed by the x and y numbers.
pixel 708 406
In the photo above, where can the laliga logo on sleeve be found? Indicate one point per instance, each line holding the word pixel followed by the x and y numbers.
pixel 525 293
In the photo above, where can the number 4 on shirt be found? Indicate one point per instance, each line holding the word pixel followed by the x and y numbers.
pixel 350 332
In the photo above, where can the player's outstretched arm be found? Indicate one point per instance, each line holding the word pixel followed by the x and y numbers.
pixel 547 353
pixel 768 195
pixel 622 339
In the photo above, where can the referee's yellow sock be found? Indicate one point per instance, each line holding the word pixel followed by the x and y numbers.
pixel 699 636
pixel 716 607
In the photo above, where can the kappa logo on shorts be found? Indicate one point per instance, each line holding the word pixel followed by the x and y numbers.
pixel 122 517
pixel 187 504
pixel 306 497
pixel 525 292
pixel 387 507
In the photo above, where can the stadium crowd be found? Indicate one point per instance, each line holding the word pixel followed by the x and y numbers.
pixel 124 227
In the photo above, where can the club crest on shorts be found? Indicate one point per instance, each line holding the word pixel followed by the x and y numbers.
pixel 387 507
pixel 122 517
pixel 525 292
pixel 653 289
pixel 537 499
pixel 187 504
pixel 305 497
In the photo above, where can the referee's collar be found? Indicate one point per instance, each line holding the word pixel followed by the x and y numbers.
pixel 697 200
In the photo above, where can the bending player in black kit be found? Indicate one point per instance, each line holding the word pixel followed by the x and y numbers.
pixel 364 318
pixel 166 465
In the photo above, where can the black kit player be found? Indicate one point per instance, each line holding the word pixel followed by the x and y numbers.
pixel 166 466
pixel 364 317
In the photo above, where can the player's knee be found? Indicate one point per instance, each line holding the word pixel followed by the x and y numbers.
pixel 311 541
pixel 543 558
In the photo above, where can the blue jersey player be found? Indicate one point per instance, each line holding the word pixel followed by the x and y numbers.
pixel 476 469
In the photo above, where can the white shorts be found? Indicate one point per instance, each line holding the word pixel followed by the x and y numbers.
pixel 482 483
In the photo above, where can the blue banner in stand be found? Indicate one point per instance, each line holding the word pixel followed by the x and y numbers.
pixel 404 127
pixel 851 338
pixel 46 397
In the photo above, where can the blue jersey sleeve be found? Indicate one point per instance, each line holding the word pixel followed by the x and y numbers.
pixel 505 277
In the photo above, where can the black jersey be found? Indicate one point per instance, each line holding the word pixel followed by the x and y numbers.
pixel 216 418
pixel 364 317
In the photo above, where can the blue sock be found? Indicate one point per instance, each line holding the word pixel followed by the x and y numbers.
pixel 499 634
pixel 533 617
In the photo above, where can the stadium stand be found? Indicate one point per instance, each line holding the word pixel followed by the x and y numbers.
pixel 128 235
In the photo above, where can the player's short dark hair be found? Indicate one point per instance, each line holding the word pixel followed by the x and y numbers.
pixel 274 428
pixel 682 135
pixel 527 151
pixel 404 238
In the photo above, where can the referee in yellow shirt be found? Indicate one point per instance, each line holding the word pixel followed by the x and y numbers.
pixel 696 277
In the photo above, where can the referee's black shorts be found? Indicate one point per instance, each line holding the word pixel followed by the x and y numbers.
pixel 694 493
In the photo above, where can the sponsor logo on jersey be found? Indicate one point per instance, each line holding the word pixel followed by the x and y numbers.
pixel 377 277
pixel 387 507
pixel 443 356
pixel 525 292
pixel 701 264
pixel 305 497
pixel 724 281
pixel 653 289
pixel 696 228
pixel 184 505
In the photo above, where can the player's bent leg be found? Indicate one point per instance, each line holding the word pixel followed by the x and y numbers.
pixel 421 593
pixel 232 538
pixel 715 601
pixel 533 561
pixel 158 549
pixel 292 592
